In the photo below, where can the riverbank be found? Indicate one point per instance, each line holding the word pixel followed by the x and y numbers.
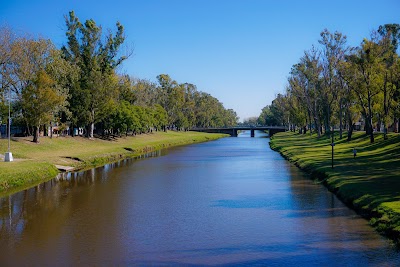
pixel 369 183
pixel 36 163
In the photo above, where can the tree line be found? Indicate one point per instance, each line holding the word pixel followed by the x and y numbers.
pixel 79 84
pixel 335 86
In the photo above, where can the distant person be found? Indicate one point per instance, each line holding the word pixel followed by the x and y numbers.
pixel 354 152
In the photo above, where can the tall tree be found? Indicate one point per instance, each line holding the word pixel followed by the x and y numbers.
pixel 37 74
pixel 305 84
pixel 390 35
pixel 334 50
pixel 97 61
pixel 366 63
pixel 347 74
pixel 39 100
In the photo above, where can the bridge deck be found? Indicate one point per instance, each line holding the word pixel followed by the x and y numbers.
pixel 241 128
pixel 233 130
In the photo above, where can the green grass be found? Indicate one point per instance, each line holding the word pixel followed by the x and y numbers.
pixel 35 163
pixel 370 183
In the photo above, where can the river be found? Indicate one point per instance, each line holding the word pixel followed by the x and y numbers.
pixel 233 201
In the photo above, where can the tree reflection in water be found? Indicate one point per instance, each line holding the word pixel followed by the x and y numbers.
pixel 17 211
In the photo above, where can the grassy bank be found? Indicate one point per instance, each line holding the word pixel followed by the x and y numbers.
pixel 369 183
pixel 35 163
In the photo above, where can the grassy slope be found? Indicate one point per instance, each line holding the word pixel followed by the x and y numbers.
pixel 370 183
pixel 34 163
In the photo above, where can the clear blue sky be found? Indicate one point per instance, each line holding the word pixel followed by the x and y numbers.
pixel 239 51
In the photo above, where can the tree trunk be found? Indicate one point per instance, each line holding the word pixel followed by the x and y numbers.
pixel 350 132
pixel 36 134
pixel 350 123
pixel 398 125
pixel 91 130
pixel 28 129
pixel 385 131
pixel 91 126
pixel 72 130
pixel 369 129
pixel 88 130
pixel 379 123
pixel 371 136
pixel 328 119
pixel 368 126
pixel 385 107
pixel 317 126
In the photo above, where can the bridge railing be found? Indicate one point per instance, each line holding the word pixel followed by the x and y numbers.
pixel 242 128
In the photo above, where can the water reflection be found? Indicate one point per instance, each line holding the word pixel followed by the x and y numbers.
pixel 21 209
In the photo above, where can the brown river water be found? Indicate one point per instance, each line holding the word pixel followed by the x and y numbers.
pixel 232 202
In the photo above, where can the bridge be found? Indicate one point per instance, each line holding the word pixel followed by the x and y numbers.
pixel 233 131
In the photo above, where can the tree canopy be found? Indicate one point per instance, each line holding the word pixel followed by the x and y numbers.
pixel 337 86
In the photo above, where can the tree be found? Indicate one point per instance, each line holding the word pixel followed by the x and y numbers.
pixel 348 95
pixel 230 118
pixel 7 39
pixel 35 73
pixel 160 117
pixel 96 61
pixel 189 105
pixel 172 100
pixel 272 115
pixel 334 51
pixel 64 75
pixel 390 34
pixel 39 100
pixel 252 121
pixel 305 84
pixel 367 62
pixel 146 93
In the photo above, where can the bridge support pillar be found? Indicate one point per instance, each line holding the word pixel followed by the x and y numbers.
pixel 252 132
pixel 234 132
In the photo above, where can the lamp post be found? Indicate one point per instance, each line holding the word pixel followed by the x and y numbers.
pixel 8 155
